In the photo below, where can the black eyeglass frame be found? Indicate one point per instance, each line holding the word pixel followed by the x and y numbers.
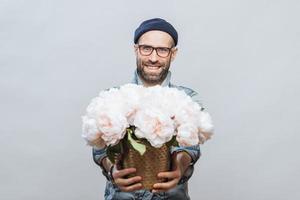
pixel 154 48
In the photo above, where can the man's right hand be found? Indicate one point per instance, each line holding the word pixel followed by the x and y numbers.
pixel 119 176
pixel 126 184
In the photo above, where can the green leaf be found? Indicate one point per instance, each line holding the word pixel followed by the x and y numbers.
pixel 141 148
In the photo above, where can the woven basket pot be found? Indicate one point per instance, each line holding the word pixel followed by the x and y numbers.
pixel 148 165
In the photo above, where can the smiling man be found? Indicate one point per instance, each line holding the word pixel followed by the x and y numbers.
pixel 155 42
pixel 153 68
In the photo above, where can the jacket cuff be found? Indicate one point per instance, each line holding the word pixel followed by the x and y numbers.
pixel 98 156
pixel 194 152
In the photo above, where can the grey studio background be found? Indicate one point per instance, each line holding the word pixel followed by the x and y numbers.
pixel 242 56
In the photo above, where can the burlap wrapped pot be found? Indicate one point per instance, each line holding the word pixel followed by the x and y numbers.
pixel 148 165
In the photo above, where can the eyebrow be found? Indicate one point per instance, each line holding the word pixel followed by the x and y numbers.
pixel 156 47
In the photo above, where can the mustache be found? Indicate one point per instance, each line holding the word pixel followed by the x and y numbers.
pixel 152 64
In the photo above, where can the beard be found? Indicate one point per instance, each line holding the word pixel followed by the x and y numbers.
pixel 152 73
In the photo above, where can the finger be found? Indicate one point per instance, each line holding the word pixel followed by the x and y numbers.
pixel 123 172
pixel 169 175
pixel 128 181
pixel 165 186
pixel 131 188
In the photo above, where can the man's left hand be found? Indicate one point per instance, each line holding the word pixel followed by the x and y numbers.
pixel 180 162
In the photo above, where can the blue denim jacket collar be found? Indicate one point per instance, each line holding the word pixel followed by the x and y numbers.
pixel 137 80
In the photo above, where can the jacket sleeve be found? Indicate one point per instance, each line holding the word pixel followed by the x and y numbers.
pixel 196 97
pixel 98 156
pixel 195 153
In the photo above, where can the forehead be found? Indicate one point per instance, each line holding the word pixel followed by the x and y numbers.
pixel 156 38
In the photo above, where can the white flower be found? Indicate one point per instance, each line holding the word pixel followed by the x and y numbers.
pixel 157 112
pixel 91 133
pixel 187 135
pixel 113 126
pixel 107 112
pixel 131 95
pixel 188 112
pixel 191 114
pixel 112 101
pixel 172 100
pixel 153 125
pixel 205 127
pixel 205 122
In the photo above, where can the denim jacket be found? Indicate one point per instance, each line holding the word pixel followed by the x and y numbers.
pixel 181 190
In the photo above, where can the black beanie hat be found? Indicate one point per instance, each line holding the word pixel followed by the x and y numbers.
pixel 155 24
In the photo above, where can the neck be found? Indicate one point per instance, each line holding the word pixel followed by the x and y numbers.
pixel 147 84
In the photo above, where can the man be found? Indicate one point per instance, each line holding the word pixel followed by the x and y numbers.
pixel 155 48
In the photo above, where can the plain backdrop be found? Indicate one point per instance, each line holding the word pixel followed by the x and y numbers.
pixel 242 56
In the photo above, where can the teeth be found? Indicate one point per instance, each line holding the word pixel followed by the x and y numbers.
pixel 154 67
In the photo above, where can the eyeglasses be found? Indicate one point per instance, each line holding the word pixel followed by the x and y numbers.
pixel 147 50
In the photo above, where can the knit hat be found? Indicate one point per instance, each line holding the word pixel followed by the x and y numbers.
pixel 155 24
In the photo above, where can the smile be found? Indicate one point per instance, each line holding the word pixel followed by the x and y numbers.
pixel 152 67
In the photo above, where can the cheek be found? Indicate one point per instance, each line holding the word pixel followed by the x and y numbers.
pixel 142 60
pixel 164 63
pixel 138 61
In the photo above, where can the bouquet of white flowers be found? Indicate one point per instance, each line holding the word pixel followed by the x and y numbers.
pixel 156 115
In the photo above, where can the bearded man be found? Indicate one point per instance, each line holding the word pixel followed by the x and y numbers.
pixel 155 42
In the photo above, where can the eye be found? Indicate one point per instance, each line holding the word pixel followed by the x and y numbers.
pixel 146 48
pixel 163 50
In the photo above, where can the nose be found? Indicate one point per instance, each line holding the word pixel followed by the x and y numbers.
pixel 153 56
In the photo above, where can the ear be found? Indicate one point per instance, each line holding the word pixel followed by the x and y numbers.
pixel 174 53
pixel 136 49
